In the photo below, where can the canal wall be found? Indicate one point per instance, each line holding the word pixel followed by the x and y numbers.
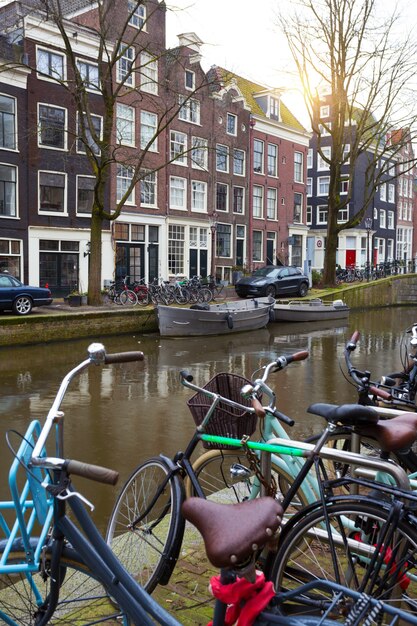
pixel 61 325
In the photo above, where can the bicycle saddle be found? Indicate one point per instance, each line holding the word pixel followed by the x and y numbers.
pixel 346 414
pixel 233 532
pixel 395 434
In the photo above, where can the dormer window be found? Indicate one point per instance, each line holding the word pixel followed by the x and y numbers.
pixel 274 108
pixel 324 111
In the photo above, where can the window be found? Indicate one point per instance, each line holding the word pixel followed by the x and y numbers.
pixel 257 245
pixel 309 187
pixel 8 196
pixel 298 167
pixel 271 204
pixel 383 192
pixel 85 194
pixel 310 158
pixel 50 64
pixel 323 161
pixel 390 249
pixel 178 147
pixel 298 207
pixel 89 75
pixel 148 189
pixel 124 70
pixel 344 186
pixel 258 201
pixel 274 108
pixel 198 196
pixel 272 160
pixel 324 129
pixel 8 122
pixel 222 158
pixel 125 124
pixel 382 219
pixel 258 156
pixel 51 125
pixel 309 214
pixel 343 215
pixel 123 181
pixel 390 219
pixel 324 111
pixel 322 214
pixel 238 200
pixel 137 14
pixel 10 255
pixel 391 193
pixel 148 131
pixel 199 153
pixel 176 246
pixel 177 195
pixel 238 162
pixel 346 154
pixel 52 192
pixel 323 183
pixel 222 200
pixel 148 73
pixel 89 134
pixel 223 240
pixel 189 80
pixel 231 124
pixel 190 110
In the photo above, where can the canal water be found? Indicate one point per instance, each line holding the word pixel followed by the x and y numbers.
pixel 120 415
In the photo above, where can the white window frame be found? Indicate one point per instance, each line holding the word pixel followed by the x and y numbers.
pixel 346 150
pixel 80 146
pixel 322 165
pixel 191 74
pixel 146 138
pixel 231 118
pixel 243 161
pixel 16 192
pixel 271 203
pixel 46 75
pixel 178 145
pixel 148 73
pixel 81 213
pixel 223 152
pixel 298 167
pixel 125 118
pixel 255 245
pixel 121 175
pixel 65 210
pixel 310 158
pixel 242 212
pixel 324 129
pixel 15 122
pixel 309 186
pixel 199 153
pixel 390 220
pixel 324 111
pixel 90 85
pixel 272 158
pixel 309 214
pixel 154 183
pixel 138 15
pixel 190 110
pixel 390 249
pixel 65 129
pixel 262 155
pixel 343 215
pixel 383 192
pixel 258 205
pixel 124 65
pixel 199 190
pixel 382 218
pixel 322 209
pixel 344 186
pixel 178 186
pixel 391 193
pixel 323 185
pixel 227 202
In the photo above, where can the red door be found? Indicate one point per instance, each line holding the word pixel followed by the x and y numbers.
pixel 350 257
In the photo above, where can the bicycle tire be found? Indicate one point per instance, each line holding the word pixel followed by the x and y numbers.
pixel 306 554
pixel 212 470
pixel 83 599
pixel 127 296
pixel 204 295
pixel 148 552
pixel 182 296
pixel 143 298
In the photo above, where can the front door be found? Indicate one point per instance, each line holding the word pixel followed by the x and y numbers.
pixel 270 251
pixel 350 258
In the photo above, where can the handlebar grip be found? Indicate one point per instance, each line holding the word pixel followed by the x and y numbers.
pixel 298 356
pixel 259 410
pixel 284 418
pixel 186 375
pixel 355 338
pixel 92 472
pixel 381 393
pixel 124 357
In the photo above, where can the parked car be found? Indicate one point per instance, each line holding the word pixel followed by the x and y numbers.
pixel 20 298
pixel 273 281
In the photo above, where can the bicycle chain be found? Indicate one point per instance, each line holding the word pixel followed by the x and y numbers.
pixel 271 488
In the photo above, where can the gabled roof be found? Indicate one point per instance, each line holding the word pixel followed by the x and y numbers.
pixel 250 89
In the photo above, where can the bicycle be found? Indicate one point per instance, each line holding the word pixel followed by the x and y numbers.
pixel 102 590
pixel 146 528
pixel 119 293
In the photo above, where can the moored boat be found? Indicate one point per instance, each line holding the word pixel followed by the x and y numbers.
pixel 310 310
pixel 215 319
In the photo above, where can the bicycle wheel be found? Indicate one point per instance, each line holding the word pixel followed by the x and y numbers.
pixel 83 599
pixel 127 296
pixel 204 295
pixel 143 297
pixel 218 482
pixel 151 499
pixel 307 554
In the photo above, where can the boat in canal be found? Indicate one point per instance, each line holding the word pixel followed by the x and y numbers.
pixel 314 310
pixel 215 319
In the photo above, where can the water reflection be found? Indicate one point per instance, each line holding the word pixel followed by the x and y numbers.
pixel 122 414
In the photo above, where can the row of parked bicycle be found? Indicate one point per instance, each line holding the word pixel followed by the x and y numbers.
pixel 181 291
pixel 372 272
pixel 330 521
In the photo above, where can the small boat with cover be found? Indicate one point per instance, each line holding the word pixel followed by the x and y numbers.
pixel 314 310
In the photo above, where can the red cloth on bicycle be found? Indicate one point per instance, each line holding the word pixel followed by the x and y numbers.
pixel 246 599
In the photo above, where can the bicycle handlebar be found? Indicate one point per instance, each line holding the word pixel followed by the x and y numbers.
pixel 123 357
pixel 92 472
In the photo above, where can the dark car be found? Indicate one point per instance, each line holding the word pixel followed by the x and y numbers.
pixel 273 281
pixel 20 298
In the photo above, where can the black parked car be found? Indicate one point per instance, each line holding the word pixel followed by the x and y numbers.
pixel 273 281
pixel 20 298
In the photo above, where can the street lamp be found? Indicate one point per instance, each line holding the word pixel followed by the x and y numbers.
pixel 368 227
pixel 213 229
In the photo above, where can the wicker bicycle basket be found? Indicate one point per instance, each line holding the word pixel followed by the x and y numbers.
pixel 226 421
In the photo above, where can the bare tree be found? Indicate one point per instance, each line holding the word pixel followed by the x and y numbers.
pixel 122 67
pixel 343 48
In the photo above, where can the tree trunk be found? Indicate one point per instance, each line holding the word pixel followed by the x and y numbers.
pixel 94 278
pixel 329 271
